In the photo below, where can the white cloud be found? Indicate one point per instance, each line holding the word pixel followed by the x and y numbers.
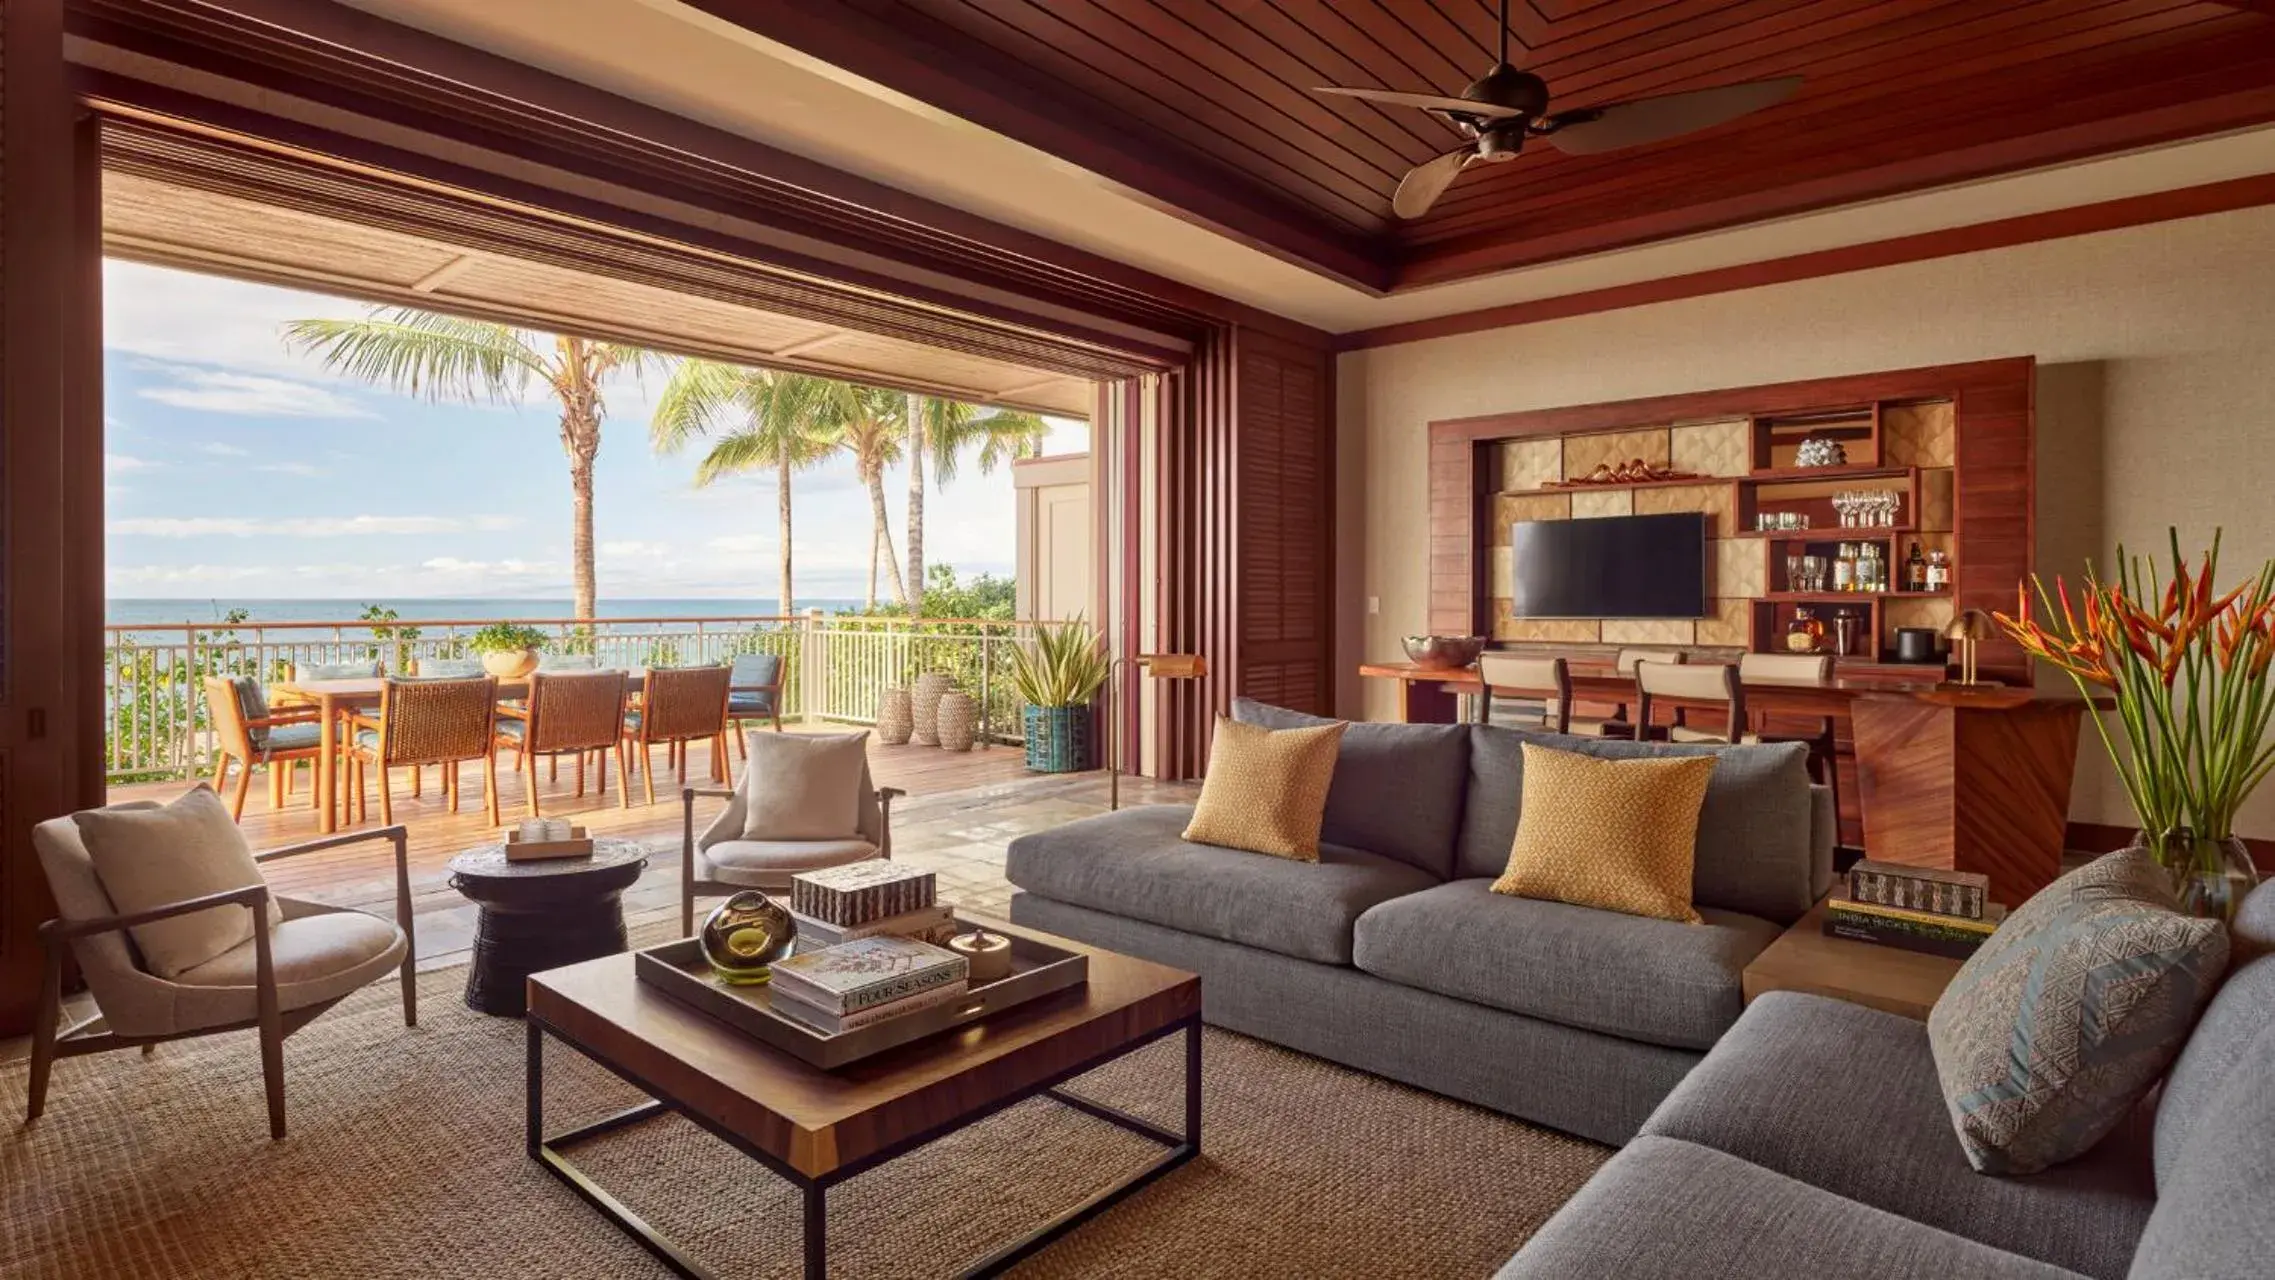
pixel 252 395
pixel 305 526
pixel 220 450
pixel 744 543
pixel 118 464
pixel 293 468
pixel 635 550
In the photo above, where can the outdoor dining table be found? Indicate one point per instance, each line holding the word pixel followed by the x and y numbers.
pixel 334 698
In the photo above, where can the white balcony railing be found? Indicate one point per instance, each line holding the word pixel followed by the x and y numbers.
pixel 835 667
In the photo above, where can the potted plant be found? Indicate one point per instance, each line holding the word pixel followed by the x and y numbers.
pixel 2184 667
pixel 509 650
pixel 1057 675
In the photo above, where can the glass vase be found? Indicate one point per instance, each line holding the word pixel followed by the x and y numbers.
pixel 2212 875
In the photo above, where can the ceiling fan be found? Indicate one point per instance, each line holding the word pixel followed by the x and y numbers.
pixel 1501 109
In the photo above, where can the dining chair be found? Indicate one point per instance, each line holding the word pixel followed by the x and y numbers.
pixel 1823 743
pixel 275 982
pixel 1547 681
pixel 728 857
pixel 679 705
pixel 423 722
pixel 1703 682
pixel 580 712
pixel 248 731
pixel 755 693
pixel 1624 662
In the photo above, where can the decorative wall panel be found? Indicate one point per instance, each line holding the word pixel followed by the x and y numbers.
pixel 1936 499
pixel 1583 454
pixel 1712 448
pixel 1588 503
pixel 1530 464
pixel 1666 631
pixel 1509 510
pixel 1740 568
pixel 1919 435
pixel 1716 500
pixel 1727 628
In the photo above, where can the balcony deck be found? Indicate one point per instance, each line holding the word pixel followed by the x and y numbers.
pixel 962 809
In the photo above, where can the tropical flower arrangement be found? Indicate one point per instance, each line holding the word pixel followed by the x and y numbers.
pixel 2185 665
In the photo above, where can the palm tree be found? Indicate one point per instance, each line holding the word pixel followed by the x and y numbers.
pixel 944 430
pixel 441 357
pixel 756 420
pixel 871 425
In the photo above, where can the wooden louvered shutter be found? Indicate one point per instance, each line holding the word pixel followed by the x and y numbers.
pixel 1283 464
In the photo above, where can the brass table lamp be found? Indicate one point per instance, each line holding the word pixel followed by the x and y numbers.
pixel 1965 632
pixel 1161 666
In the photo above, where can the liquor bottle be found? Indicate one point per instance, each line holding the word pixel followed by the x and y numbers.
pixel 1938 570
pixel 1844 567
pixel 1804 634
pixel 1915 569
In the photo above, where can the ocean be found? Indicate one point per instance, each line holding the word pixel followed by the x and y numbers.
pixel 132 612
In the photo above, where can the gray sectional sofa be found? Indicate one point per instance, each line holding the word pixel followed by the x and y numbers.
pixel 1813 1142
pixel 1391 954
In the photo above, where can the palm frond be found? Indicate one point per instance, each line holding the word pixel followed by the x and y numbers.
pixel 422 353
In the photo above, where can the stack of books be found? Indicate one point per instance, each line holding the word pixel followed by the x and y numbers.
pixel 1945 913
pixel 868 980
pixel 868 900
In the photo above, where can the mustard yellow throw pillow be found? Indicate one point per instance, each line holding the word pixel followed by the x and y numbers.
pixel 1266 789
pixel 1618 835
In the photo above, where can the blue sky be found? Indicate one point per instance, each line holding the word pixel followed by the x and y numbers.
pixel 236 469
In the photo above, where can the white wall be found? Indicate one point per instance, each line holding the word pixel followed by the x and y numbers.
pixel 2156 402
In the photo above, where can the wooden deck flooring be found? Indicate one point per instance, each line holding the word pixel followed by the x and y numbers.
pixel 960 812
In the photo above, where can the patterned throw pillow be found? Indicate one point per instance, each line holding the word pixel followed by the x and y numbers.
pixel 2053 1030
pixel 1266 789
pixel 1617 835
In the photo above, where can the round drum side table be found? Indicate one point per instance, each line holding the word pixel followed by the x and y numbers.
pixel 541 915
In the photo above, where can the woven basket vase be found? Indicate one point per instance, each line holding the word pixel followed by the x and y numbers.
pixel 958 718
pixel 895 721
pixel 924 705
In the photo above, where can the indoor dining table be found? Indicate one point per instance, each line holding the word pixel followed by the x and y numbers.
pixel 337 698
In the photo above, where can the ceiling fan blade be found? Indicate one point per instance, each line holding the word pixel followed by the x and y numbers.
pixel 1631 124
pixel 1426 101
pixel 1425 182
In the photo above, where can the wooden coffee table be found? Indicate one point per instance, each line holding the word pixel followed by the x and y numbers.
pixel 817 1128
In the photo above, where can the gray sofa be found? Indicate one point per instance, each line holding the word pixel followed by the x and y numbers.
pixel 1391 955
pixel 1813 1142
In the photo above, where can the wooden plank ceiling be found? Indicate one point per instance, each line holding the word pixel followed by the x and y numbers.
pixel 1204 106
pixel 148 220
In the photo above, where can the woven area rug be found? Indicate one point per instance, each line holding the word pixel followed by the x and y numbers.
pixel 405 1159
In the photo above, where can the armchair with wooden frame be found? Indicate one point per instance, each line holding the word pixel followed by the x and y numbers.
pixel 679 705
pixel 725 859
pixel 443 722
pixel 248 731
pixel 276 982
pixel 580 712
pixel 754 693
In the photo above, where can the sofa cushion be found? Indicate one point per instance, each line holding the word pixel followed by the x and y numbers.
pixel 1755 830
pixel 1631 976
pixel 1668 1210
pixel 2056 1026
pixel 1134 863
pixel 2211 1223
pixel 1397 788
pixel 2244 1006
pixel 1844 1098
pixel 1616 835
pixel 1266 789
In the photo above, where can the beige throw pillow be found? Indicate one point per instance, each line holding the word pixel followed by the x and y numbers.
pixel 1617 835
pixel 800 786
pixel 149 858
pixel 1266 789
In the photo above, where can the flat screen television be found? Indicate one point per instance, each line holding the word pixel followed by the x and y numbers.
pixel 1610 567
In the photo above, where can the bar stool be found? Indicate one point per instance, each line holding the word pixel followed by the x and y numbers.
pixel 1617 726
pixel 1715 682
pixel 1544 680
pixel 1801 668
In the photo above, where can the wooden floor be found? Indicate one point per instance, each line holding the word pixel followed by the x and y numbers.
pixel 961 809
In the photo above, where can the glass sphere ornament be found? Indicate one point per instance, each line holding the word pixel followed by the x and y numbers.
pixel 745 935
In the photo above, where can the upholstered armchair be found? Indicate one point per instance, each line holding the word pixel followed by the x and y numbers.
pixel 728 858
pixel 283 976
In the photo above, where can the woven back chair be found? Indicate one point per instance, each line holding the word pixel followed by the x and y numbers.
pixel 681 705
pixel 580 712
pixel 422 722
pixel 247 731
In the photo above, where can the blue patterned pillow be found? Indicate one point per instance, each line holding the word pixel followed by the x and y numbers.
pixel 2052 1031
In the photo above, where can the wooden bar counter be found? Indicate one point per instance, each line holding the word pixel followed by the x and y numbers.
pixel 1967 779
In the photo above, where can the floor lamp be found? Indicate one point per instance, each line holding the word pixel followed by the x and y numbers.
pixel 1160 666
